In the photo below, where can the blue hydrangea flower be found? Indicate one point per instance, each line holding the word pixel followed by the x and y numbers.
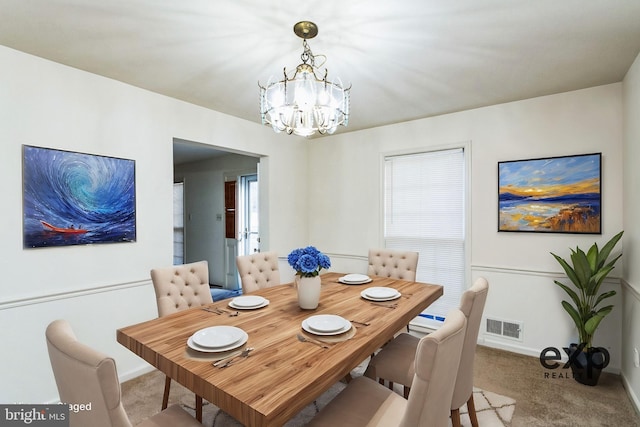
pixel 324 261
pixel 293 257
pixel 307 262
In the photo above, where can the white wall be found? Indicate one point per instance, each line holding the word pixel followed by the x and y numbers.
pixel 631 254
pixel 345 214
pixel 100 288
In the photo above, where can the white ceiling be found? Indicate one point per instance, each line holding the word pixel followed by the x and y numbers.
pixel 406 59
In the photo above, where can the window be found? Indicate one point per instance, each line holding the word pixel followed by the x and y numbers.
pixel 178 223
pixel 424 211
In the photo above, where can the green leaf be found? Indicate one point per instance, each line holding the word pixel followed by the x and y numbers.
pixel 592 257
pixel 604 296
pixel 592 324
pixel 575 316
pixel 613 261
pixel 570 292
pixel 581 267
pixel 598 279
pixel 571 274
pixel 608 247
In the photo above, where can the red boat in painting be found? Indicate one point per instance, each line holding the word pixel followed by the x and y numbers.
pixel 70 230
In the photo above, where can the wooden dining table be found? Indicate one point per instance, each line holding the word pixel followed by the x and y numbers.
pixel 282 374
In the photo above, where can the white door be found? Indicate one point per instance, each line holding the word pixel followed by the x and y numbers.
pixel 250 242
pixel 231 233
pixel 242 227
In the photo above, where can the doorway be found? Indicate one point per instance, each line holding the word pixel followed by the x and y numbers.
pixel 204 171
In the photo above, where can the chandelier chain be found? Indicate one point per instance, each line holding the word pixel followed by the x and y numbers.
pixel 307 55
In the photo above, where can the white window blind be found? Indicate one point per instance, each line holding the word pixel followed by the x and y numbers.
pixel 424 212
pixel 178 223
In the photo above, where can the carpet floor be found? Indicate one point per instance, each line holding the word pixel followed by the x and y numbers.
pixel 542 400
pixel 545 400
pixel 142 397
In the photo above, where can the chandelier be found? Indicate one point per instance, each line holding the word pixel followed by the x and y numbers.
pixel 304 103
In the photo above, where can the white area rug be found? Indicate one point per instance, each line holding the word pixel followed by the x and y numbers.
pixel 492 410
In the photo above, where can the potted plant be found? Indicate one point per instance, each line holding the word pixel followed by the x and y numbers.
pixel 307 262
pixel 587 271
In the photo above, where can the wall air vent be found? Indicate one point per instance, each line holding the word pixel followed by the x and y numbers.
pixel 505 329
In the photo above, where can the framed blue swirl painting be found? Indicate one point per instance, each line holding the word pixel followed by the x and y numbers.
pixel 551 195
pixel 74 198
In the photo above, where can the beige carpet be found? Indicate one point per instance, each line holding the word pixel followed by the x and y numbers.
pixel 541 401
pixel 142 397
pixel 544 401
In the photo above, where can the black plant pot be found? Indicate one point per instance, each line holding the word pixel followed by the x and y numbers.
pixel 587 364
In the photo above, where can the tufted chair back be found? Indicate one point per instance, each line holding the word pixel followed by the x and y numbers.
pixel 472 305
pixel 257 271
pixel 181 287
pixel 394 264
pixel 436 366
pixel 365 403
pixel 85 375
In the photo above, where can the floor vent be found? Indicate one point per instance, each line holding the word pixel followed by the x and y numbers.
pixel 506 329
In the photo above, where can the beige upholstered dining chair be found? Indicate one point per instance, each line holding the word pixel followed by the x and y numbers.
pixel 391 263
pixel 364 402
pixel 259 270
pixel 178 288
pixel 85 375
pixel 395 362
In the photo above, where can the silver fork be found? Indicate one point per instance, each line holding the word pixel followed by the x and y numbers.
pixel 223 363
pixel 361 323
pixel 216 310
pixel 230 313
pixel 302 338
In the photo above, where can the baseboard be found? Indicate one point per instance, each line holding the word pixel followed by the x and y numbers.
pixel 632 396
pixel 135 373
pixel 513 348
pixel 122 377
pixel 526 351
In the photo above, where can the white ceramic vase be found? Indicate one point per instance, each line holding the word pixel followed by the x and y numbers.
pixel 308 292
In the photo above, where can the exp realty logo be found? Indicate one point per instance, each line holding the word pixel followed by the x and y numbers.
pixel 581 362
pixel 34 415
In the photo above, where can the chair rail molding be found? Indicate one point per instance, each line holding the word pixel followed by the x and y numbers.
pixel 530 272
pixel 72 293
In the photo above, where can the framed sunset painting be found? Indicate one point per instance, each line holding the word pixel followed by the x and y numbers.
pixel 551 195
pixel 72 198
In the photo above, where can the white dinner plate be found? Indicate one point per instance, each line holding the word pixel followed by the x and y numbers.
pixel 380 292
pixel 306 327
pixel 218 336
pixel 374 294
pixel 240 307
pixel 248 301
pixel 354 279
pixel 381 299
pixel 196 347
pixel 327 323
